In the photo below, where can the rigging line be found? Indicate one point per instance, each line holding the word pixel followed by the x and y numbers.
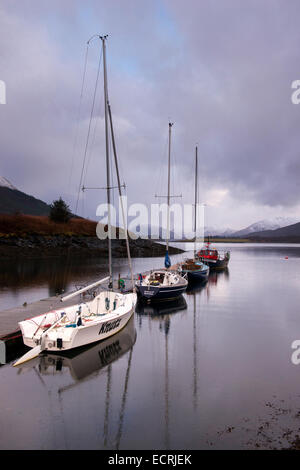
pixel 120 196
pixel 195 388
pixel 124 396
pixel 176 182
pixel 167 411
pixel 82 202
pixel 121 167
pixel 107 403
pixel 93 38
pixel 89 130
pixel 78 115
pixel 112 180
pixel 90 156
pixel 199 173
pixel 162 166
pixel 62 419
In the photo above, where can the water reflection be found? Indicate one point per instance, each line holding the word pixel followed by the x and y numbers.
pixel 83 362
pixel 213 279
pixel 163 313
pixel 32 279
pixel 195 368
pixel 58 273
pixel 214 276
pixel 201 373
pixel 162 308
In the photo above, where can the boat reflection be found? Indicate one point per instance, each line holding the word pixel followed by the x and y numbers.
pixel 83 362
pixel 163 313
pixel 212 281
pixel 214 276
pixel 161 309
pixel 194 288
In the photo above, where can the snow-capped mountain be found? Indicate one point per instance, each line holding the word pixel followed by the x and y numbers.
pixel 270 224
pixel 13 201
pixel 218 231
pixel 261 225
pixel 6 184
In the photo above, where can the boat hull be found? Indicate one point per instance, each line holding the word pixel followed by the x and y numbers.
pixel 64 338
pixel 92 334
pixel 82 362
pixel 157 293
pixel 196 276
pixel 85 335
pixel 216 264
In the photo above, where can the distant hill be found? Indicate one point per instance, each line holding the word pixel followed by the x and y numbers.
pixel 218 231
pixel 261 226
pixel 291 231
pixel 12 201
pixel 264 225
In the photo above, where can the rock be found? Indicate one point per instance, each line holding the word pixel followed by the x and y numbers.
pixel 60 245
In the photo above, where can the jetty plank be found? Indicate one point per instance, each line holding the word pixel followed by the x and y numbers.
pixel 9 318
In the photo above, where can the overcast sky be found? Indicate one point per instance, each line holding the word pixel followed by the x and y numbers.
pixel 221 71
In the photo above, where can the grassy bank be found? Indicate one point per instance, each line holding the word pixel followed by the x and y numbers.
pixel 22 225
pixel 29 236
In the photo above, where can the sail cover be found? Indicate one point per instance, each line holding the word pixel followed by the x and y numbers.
pixel 167 260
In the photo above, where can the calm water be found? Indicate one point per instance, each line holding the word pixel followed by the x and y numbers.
pixel 213 371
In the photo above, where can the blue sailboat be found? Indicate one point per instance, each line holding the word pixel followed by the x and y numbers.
pixel 162 284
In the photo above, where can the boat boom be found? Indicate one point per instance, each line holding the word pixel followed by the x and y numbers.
pixel 90 286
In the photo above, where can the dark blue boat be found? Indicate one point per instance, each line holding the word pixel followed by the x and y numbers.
pixel 161 285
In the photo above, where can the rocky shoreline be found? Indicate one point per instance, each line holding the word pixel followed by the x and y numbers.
pixel 42 246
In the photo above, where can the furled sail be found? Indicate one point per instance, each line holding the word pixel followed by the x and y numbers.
pixel 167 260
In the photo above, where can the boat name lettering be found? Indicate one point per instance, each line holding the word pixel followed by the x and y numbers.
pixel 109 352
pixel 111 325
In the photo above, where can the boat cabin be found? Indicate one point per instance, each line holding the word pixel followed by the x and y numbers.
pixel 208 253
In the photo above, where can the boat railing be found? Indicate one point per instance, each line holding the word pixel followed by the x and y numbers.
pixel 221 253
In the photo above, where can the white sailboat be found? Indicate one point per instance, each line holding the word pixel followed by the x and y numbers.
pixel 87 322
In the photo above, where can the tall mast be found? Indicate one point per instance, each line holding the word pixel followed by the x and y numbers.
pixel 196 198
pixel 169 178
pixel 103 38
pixel 120 195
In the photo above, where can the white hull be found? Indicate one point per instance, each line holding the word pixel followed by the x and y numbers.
pixel 97 324
pixel 83 362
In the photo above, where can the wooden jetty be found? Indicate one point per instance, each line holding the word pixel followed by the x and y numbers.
pixel 9 318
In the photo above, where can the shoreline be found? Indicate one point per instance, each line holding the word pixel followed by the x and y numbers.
pixel 49 246
pixel 279 240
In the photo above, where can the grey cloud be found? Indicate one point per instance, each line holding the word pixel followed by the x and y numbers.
pixel 221 70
